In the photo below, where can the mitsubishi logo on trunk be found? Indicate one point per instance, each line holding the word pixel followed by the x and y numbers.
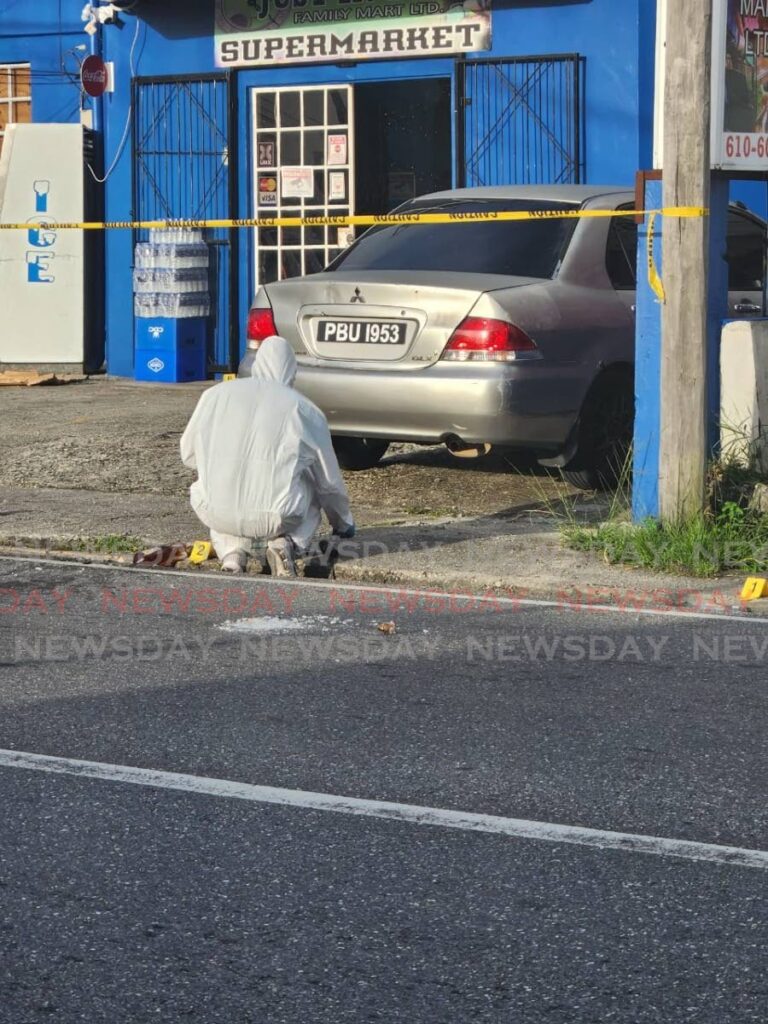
pixel 357 297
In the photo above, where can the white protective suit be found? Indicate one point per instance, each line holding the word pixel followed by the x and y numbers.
pixel 264 459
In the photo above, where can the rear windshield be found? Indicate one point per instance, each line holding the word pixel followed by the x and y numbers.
pixel 530 248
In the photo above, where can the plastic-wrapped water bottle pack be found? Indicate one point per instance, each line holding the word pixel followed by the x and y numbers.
pixel 173 282
pixel 170 255
pixel 153 304
pixel 170 278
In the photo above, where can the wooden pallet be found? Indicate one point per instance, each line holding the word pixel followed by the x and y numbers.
pixel 30 379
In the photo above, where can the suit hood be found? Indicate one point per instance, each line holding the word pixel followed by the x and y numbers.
pixel 275 361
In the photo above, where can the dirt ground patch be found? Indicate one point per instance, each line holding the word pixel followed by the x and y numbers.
pixel 100 460
pixel 113 436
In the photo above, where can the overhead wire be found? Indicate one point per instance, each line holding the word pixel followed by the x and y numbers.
pixel 129 116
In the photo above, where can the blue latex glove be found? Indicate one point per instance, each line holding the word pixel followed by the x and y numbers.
pixel 347 534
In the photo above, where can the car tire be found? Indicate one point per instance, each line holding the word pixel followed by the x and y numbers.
pixel 605 433
pixel 359 452
pixel 581 479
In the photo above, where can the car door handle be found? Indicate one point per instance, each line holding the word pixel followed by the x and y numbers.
pixel 746 307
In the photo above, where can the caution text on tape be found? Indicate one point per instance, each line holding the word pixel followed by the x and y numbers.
pixel 350 221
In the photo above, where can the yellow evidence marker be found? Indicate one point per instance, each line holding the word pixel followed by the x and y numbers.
pixel 201 552
pixel 754 588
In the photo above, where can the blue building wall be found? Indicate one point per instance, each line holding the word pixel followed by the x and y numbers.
pixel 616 40
pixel 44 35
pixel 175 38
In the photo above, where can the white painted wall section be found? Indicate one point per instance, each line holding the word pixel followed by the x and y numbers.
pixel 744 392
pixel 41 269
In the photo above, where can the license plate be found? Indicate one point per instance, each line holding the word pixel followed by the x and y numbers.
pixel 362 332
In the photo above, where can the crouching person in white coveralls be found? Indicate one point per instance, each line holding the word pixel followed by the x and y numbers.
pixel 265 465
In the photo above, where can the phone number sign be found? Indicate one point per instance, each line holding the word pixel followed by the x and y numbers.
pixel 744 150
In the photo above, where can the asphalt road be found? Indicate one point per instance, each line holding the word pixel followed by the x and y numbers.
pixel 127 903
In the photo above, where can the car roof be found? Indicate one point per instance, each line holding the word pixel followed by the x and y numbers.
pixel 556 193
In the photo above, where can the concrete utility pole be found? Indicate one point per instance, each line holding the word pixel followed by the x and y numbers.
pixel 683 441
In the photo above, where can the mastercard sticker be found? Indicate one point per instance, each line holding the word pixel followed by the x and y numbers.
pixel 267 191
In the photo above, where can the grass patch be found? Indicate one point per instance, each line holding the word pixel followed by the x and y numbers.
pixel 728 537
pixel 427 512
pixel 705 547
pixel 111 544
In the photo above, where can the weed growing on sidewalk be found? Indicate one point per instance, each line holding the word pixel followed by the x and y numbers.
pixel 111 544
pixel 730 536
pixel 705 546
pixel 573 511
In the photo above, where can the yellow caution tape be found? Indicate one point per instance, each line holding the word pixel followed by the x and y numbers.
pixel 655 282
pixel 353 221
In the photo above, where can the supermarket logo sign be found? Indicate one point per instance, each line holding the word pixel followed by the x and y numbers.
pixel 156 365
pixel 264 32
pixel 156 332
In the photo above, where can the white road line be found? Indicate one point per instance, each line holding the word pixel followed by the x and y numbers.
pixel 517 828
pixel 513 603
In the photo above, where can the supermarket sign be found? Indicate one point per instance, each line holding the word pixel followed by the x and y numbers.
pixel 250 33
pixel 740 85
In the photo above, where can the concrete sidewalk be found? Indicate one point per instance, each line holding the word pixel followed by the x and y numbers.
pixel 520 555
pixel 100 460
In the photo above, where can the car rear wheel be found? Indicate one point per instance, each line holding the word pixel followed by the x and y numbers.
pixel 359 452
pixel 605 434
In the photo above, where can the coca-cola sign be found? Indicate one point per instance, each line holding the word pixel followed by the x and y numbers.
pixel 94 76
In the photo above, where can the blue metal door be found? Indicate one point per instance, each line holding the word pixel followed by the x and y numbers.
pixel 183 168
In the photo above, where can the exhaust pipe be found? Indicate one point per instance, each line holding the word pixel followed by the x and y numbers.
pixel 462 450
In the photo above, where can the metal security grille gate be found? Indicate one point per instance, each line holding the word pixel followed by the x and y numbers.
pixel 519 121
pixel 184 167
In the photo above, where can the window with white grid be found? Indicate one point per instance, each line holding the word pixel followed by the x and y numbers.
pixel 302 167
pixel 15 96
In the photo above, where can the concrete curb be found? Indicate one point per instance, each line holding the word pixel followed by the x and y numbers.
pixel 718 597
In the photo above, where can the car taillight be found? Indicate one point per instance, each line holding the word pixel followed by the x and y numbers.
pixel 484 340
pixel 261 325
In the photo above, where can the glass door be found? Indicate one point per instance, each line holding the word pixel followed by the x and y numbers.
pixel 303 166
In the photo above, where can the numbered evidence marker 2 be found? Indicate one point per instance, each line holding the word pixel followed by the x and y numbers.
pixel 201 551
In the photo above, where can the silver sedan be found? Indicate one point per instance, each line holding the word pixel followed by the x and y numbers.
pixel 513 333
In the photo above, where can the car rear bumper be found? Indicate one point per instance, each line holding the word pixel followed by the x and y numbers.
pixel 505 404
